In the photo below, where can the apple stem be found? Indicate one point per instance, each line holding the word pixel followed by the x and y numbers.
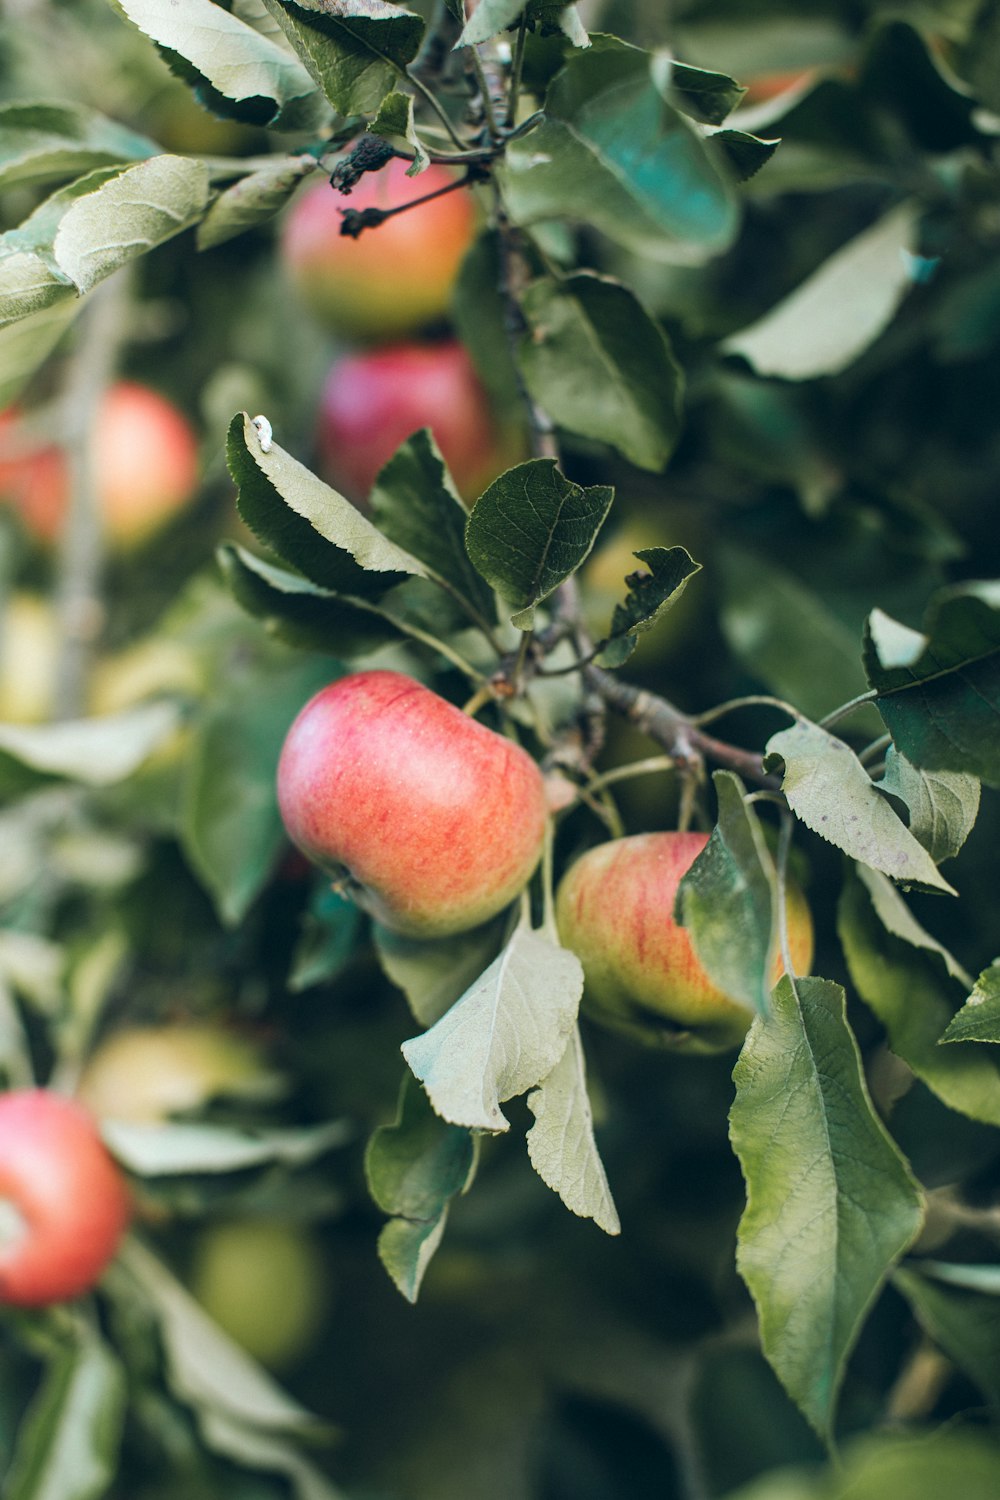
pixel 435 104
pixel 355 221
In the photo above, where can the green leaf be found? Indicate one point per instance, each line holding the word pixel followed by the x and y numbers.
pixel 939 690
pixel 416 505
pixel 248 76
pixel 231 830
pixel 95 752
pixel 68 1444
pixel 253 199
pixel 129 215
pixel 30 280
pixel 831 1203
pixel 479 317
pixel 911 994
pixel 176 1147
pixel 745 153
pixel 531 529
pixel 206 1368
pixel 330 929
pixel 433 973
pixel 395 118
pixel 706 96
pixel 355 49
pixel 493 16
pixel 943 805
pixel 728 901
pixel 246 1444
pixel 601 367
pixel 613 153
pixel 296 611
pixel 979 1018
pixel 966 1324
pixel 653 589
pixel 896 917
pixel 296 514
pixel 561 1142
pixel 503 1036
pixel 406 1248
pixel 918 1467
pixel 830 791
pixel 976 1278
pixel 44 142
pixel 828 321
pixel 27 344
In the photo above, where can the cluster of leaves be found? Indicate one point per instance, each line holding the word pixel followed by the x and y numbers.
pixel 824 313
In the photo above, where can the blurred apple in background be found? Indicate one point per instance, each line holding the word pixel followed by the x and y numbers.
pixel 29 652
pixel 145 458
pixel 391 280
pixel 373 401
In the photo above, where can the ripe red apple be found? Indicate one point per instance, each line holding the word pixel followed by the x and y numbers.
pixel 372 402
pixel 64 1205
pixel 614 908
pixel 434 820
pixel 145 458
pixel 392 279
pixel 146 1074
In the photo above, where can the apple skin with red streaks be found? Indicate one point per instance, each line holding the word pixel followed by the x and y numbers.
pixel 433 821
pixel 614 909
pixel 64 1204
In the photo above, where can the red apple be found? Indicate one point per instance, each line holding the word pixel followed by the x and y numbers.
pixel 435 821
pixel 392 279
pixel 374 401
pixel 614 908
pixel 64 1205
pixel 145 459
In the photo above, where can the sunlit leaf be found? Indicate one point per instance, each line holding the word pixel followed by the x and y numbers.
pixel 979 1018
pixel 561 1142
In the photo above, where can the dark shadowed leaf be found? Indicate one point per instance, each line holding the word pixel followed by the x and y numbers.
pixel 331 926
pixel 612 152
pixel 897 918
pixel 831 792
pixel 561 1142
pixel 745 153
pixel 979 1018
pixel 939 690
pixel 912 995
pixel 728 901
pixel 653 590
pixel 355 49
pixel 531 529
pixel 435 972
pixel 705 96
pixel 600 366
pixel 965 1323
pixel 831 1203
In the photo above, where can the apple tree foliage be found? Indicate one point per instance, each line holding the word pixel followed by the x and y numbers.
pixel 736 284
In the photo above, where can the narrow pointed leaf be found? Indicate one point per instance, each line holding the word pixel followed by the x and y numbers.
pixel 406 1248
pixel 416 505
pixel 831 792
pixel 68 1444
pixel 979 1018
pixel 355 49
pixel 897 918
pixel 653 589
pixel 505 1035
pixel 493 16
pixel 256 1448
pixel 146 204
pixel 939 689
pixel 601 366
pixel 531 529
pixel 307 523
pixel 913 997
pixel 179 1148
pixel 561 1142
pixel 243 73
pixel 831 1204
pixel 252 200
pixel 943 805
pixel 965 1323
pixel 728 901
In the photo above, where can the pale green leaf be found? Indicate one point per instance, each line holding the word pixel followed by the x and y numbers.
pixel 600 366
pixel 27 343
pixel 174 1148
pixel 831 1203
pixel 897 918
pixel 979 1018
pixel 531 529
pixel 68 1443
pixel 129 215
pixel 503 1036
pixel 253 199
pixel 42 141
pixel 246 1444
pixel 828 321
pixel 831 792
pixel 943 805
pixel 96 752
pixel 561 1142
